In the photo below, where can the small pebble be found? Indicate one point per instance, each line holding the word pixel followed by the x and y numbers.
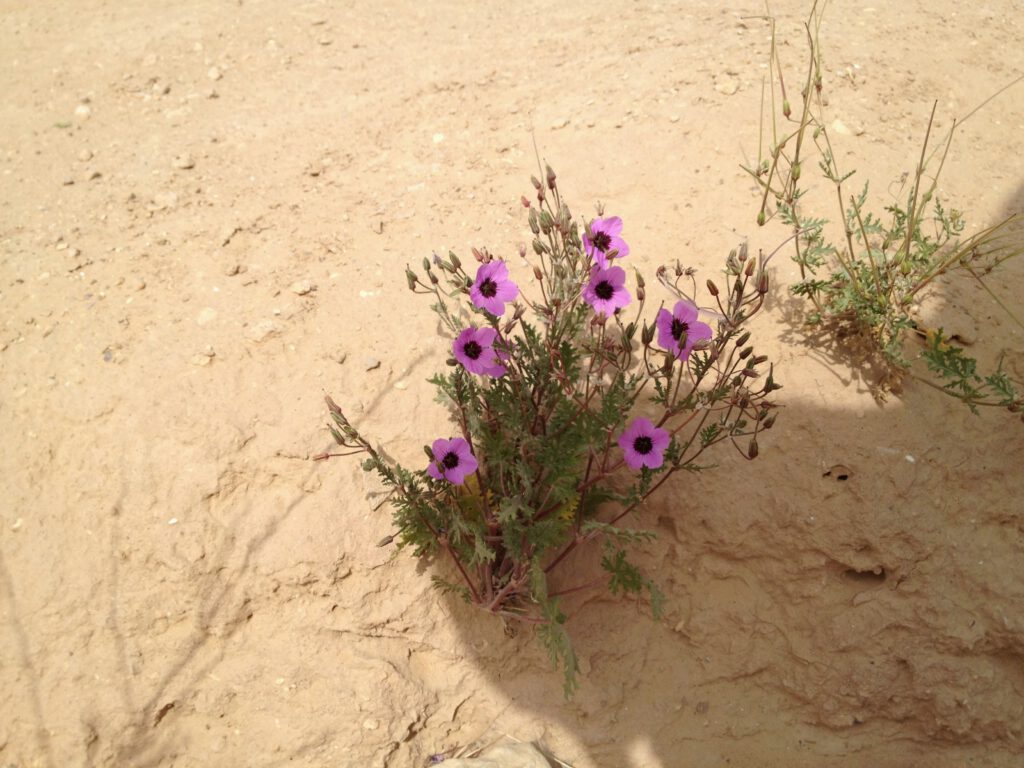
pixel 840 127
pixel 263 330
pixel 232 269
pixel 82 111
pixel 559 123
pixel 371 724
pixel 214 73
pixel 17 524
pixel 173 521
pixel 206 316
pixel 164 200
pixel 85 155
pixel 372 363
pixel 68 181
pixel 302 287
pixel 184 162
pixel 727 85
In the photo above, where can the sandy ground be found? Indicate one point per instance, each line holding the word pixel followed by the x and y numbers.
pixel 204 212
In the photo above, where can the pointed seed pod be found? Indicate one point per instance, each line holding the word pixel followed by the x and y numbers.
pixel 752 449
pixel 712 288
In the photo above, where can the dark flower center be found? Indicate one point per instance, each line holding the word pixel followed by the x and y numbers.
pixel 472 350
pixel 488 288
pixel 601 241
pixel 643 445
pixel 450 460
pixel 604 290
pixel 678 328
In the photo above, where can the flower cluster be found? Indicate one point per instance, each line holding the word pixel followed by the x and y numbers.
pixel 554 391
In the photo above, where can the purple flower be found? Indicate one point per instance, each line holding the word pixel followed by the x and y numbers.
pixel 453 460
pixel 644 444
pixel 680 329
pixel 474 348
pixel 492 288
pixel 606 291
pixel 604 238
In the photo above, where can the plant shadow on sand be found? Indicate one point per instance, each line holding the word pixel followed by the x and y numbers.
pixel 847 592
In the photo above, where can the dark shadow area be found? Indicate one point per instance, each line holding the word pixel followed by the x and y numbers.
pixel 810 612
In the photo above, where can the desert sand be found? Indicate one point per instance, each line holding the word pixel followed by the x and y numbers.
pixel 205 212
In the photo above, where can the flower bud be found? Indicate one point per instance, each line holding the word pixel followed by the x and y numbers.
pixel 752 449
pixel 536 182
pixel 538 247
pixel 712 288
pixel 433 279
pixel 749 269
pixel 426 448
pixel 794 172
pixel 647 334
pixel 762 283
pixel 410 277
pixel 550 176
pixel 744 337
pixel 534 224
pixel 426 263
pixel 537 273
pixel 760 219
pixel 546 222
pixel 786 111
pixel 522 250
pixel 769 422
pixel 746 352
pixel 454 260
pixel 639 280
pixel 743 252
pixel 641 294
pixel 759 359
pixel 526 203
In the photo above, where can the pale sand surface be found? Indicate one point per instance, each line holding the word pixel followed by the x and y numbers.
pixel 181 586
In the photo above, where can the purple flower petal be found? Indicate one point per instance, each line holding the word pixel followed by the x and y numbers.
pixel 606 291
pixel 474 349
pixel 453 460
pixel 603 239
pixel 492 288
pixel 679 330
pixel 643 444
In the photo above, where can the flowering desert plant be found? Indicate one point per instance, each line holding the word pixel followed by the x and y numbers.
pixel 569 410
